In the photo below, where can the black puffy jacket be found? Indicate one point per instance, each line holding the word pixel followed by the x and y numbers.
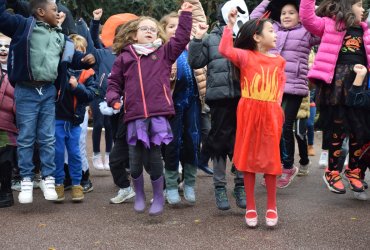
pixel 220 82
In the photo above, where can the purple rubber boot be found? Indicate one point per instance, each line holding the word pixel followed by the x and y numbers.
pixel 140 195
pixel 158 199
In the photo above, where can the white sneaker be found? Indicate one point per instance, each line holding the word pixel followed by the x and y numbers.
pixel 106 162
pixel 123 194
pixel 97 162
pixel 362 196
pixel 323 162
pixel 47 186
pixel 26 196
pixel 304 169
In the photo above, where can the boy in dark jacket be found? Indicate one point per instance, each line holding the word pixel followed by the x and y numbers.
pixel 70 112
pixel 39 57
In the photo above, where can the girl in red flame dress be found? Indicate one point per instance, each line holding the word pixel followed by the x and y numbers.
pixel 259 114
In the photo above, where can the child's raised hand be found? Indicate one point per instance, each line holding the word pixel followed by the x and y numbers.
pixel 360 69
pixel 61 17
pixel 201 30
pixel 88 59
pixel 186 6
pixel 232 17
pixel 73 82
pixel 361 72
pixel 98 14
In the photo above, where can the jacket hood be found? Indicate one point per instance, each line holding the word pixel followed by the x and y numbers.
pixel 109 29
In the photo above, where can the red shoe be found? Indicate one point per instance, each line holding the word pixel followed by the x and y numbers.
pixel 334 182
pixel 354 179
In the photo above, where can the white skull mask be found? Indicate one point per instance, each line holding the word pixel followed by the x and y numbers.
pixel 4 49
pixel 243 14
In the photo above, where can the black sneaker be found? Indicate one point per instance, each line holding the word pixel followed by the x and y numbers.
pixel 87 186
pixel 6 199
pixel 239 195
pixel 222 201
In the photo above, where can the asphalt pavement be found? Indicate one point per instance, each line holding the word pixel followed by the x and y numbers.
pixel 310 217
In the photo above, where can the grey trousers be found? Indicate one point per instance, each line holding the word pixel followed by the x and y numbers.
pixel 219 173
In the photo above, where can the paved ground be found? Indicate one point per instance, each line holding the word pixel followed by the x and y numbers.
pixel 311 217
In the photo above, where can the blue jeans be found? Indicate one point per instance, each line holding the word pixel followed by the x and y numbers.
pixel 310 126
pixel 186 129
pixel 35 117
pixel 67 137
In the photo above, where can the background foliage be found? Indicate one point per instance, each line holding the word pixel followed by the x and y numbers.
pixel 155 8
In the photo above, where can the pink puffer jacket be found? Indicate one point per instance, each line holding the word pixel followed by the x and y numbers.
pixel 331 41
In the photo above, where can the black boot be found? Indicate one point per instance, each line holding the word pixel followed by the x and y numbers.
pixel 6 199
pixel 6 194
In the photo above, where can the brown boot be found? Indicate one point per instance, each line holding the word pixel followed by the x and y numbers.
pixel 77 193
pixel 310 150
pixel 60 192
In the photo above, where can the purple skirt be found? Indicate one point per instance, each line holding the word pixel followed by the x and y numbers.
pixel 155 130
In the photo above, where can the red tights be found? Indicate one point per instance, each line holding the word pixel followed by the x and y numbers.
pixel 249 183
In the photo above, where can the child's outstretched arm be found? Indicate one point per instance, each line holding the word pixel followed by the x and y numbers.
pixel 177 44
pixel 226 47
pixel 115 84
pixel 8 23
pixel 310 21
pixel 260 9
pixel 94 28
pixel 356 96
pixel 198 48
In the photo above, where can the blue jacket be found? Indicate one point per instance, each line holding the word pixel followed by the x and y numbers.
pixel 19 29
pixel 73 106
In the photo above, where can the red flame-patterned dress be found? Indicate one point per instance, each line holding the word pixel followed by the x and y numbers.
pixel 259 113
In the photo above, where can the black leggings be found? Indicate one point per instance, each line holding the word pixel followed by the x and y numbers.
pixel 335 147
pixel 100 121
pixel 290 104
pixel 151 159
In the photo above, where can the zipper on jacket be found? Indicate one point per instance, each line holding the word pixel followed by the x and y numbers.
pixel 165 93
pixel 142 88
pixel 141 82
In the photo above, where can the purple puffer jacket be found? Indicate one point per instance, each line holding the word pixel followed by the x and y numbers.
pixel 7 106
pixel 294 45
pixel 144 81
